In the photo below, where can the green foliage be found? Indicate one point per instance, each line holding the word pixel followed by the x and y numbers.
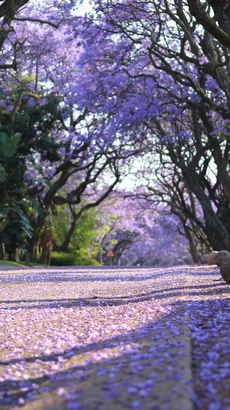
pixel 15 228
pixel 83 258
pixel 29 132
pixel 14 225
pixel 8 144
pixel 62 259
pixel 35 124
pixel 2 173
pixel 71 259
pixel 60 222
pixel 85 233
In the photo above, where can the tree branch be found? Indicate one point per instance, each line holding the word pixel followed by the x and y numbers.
pixel 37 21
pixel 208 23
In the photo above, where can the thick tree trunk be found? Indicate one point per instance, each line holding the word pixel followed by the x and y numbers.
pixel 46 245
pixel 31 249
pixel 222 12
pixel 2 251
pixel 216 232
pixel 65 245
pixel 224 178
pixel 220 32
pixel 192 245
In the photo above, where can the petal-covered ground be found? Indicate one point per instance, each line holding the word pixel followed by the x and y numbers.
pixel 110 339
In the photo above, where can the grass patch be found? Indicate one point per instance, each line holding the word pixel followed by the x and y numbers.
pixel 10 263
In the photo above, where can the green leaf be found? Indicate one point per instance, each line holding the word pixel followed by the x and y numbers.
pixel 4 139
pixel 2 174
pixel 35 204
pixel 8 144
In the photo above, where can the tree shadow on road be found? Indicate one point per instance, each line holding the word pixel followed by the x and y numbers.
pixel 111 373
pixel 141 368
pixel 146 365
pixel 104 300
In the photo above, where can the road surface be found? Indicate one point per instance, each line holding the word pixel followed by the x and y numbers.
pixel 114 338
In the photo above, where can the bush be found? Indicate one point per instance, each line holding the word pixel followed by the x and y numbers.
pixel 80 257
pixel 83 258
pixel 62 259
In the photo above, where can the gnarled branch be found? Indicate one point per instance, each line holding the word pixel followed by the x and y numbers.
pixel 208 23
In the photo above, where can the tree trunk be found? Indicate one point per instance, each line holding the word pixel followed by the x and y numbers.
pixel 222 13
pixel 216 232
pixel 46 245
pixel 65 245
pixel 13 254
pixel 2 251
pixel 31 249
pixel 220 32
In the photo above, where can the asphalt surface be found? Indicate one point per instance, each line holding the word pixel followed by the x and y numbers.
pixel 99 338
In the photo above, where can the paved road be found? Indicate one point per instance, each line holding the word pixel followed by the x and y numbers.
pixel 108 339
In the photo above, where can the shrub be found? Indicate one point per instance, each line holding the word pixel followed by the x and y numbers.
pixel 79 257
pixel 83 258
pixel 62 259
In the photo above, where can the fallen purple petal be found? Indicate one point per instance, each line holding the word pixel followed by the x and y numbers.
pixel 125 349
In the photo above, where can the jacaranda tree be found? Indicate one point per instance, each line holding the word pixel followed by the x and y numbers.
pixel 138 233
pixel 163 80
pixel 211 12
pixel 124 79
pixel 62 143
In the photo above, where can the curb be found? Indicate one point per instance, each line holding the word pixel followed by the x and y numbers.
pixel 175 373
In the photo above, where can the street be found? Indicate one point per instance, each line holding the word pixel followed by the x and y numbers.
pixel 114 338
